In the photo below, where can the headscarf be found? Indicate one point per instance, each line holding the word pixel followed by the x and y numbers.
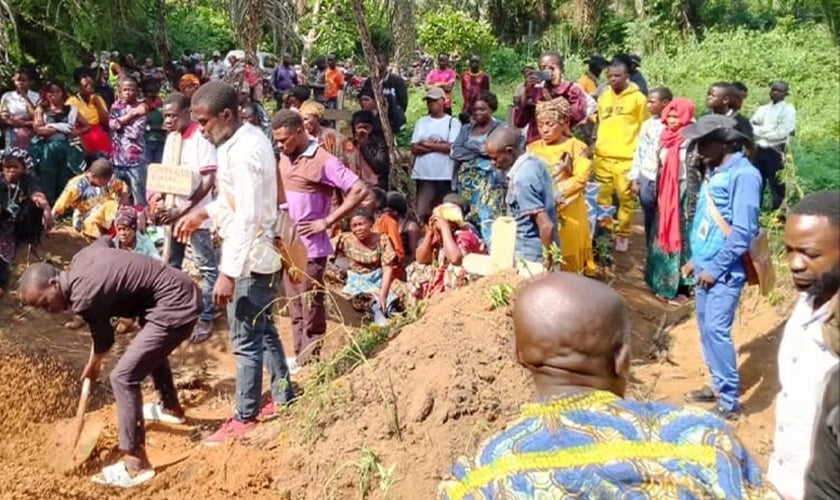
pixel 20 154
pixel 557 109
pixel 188 79
pixel 449 212
pixel 126 217
pixel 669 235
pixel 312 108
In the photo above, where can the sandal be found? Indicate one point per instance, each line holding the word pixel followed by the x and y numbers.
pixel 154 412
pixel 703 395
pixel 116 475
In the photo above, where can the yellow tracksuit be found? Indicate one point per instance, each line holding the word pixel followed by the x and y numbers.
pixel 620 120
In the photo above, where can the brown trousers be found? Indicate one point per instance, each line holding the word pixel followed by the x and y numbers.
pixel 307 310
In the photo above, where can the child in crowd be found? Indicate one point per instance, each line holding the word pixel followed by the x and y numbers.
pixel 127 120
pixel 410 232
pixel 387 223
pixel 95 195
pixel 155 136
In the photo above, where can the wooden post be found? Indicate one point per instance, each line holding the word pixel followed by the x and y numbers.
pixel 376 81
pixel 171 181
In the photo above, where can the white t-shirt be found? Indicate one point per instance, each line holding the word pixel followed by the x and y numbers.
pixel 199 155
pixel 15 105
pixel 434 166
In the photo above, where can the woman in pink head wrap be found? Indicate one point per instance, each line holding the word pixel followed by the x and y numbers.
pixel 676 190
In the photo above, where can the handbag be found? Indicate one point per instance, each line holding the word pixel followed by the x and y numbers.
pixel 757 260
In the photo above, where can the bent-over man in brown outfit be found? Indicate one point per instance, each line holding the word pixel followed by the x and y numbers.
pixel 104 283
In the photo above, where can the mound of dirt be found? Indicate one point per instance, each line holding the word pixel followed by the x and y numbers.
pixel 36 388
pixel 440 386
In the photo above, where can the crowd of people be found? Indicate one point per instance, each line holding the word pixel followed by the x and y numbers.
pixel 295 202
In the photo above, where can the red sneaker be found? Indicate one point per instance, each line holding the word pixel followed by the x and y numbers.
pixel 231 429
pixel 269 411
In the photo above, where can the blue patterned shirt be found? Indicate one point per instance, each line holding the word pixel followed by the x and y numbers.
pixel 595 445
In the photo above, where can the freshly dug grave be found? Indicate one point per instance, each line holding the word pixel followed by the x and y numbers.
pixel 392 426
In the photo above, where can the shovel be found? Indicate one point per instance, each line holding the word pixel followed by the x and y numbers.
pixel 75 440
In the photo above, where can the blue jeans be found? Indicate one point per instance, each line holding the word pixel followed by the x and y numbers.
pixel 255 340
pixel 716 308
pixel 135 178
pixel 647 199
pixel 204 257
pixel 154 151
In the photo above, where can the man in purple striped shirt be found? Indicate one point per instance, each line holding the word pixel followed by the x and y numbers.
pixel 309 176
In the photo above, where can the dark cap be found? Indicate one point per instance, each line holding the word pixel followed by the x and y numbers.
pixel 597 60
pixel 636 59
pixel 723 127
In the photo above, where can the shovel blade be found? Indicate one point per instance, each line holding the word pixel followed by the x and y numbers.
pixel 70 455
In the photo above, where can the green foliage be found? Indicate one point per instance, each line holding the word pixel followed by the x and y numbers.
pixel 803 56
pixel 505 64
pixel 500 296
pixel 454 32
pixel 198 28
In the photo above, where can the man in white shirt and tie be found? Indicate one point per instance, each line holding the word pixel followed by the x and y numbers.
pixel 806 358
pixel 245 214
pixel 773 124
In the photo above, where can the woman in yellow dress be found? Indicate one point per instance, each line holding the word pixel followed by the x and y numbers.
pixel 570 167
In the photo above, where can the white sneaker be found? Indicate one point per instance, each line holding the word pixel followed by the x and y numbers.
pixel 622 244
pixel 294 367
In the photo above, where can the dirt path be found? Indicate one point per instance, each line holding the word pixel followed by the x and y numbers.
pixel 392 425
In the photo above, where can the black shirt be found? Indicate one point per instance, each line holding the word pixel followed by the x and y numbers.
pixel 102 283
pixel 822 481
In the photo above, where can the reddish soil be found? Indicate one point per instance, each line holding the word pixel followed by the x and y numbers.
pixel 435 391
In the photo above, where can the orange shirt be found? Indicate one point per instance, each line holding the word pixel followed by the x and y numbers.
pixel 388 225
pixel 333 83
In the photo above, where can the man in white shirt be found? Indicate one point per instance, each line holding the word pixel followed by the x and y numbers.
pixel 805 358
pixel 216 67
pixel 773 124
pixel 185 146
pixel 245 214
pixel 430 143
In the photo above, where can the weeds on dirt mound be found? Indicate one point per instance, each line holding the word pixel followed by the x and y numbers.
pixel 500 296
pixel 321 393
pixel 369 468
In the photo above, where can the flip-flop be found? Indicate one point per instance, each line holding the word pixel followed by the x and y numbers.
pixel 116 475
pixel 153 412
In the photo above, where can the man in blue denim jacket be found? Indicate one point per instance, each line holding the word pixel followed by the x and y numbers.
pixel 733 186
pixel 530 196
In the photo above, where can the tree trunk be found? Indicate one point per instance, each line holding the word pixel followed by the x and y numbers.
pixel 376 80
pixel 162 38
pixel 308 42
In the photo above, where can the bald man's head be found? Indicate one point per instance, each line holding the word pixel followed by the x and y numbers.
pixel 503 147
pixel 572 331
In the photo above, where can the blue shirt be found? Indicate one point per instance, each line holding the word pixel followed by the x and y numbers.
pixel 530 192
pixel 284 78
pixel 735 188
pixel 596 445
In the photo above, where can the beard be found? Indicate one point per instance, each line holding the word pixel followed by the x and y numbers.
pixel 826 285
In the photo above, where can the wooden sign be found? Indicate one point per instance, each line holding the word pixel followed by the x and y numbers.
pixel 169 179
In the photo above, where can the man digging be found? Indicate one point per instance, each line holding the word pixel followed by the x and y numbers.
pixel 102 283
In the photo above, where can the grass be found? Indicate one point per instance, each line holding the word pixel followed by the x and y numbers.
pixel 804 56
